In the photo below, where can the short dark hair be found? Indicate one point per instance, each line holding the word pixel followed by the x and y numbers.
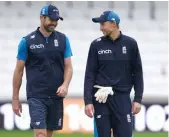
pixel 116 24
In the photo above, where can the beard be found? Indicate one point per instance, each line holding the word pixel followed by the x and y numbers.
pixel 107 34
pixel 49 28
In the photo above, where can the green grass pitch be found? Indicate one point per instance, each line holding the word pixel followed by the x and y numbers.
pixel 4 133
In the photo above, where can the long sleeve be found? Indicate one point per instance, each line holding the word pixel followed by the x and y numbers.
pixel 90 74
pixel 137 74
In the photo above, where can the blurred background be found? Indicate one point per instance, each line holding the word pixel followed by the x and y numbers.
pixel 147 22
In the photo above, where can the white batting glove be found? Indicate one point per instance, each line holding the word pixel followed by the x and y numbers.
pixel 102 93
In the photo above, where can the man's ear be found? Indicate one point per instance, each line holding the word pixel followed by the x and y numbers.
pixel 115 24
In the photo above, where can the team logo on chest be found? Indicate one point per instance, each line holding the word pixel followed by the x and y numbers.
pixel 124 50
pixel 56 43
pixel 38 46
pixel 106 51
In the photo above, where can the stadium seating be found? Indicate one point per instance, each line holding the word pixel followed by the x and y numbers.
pixel 20 18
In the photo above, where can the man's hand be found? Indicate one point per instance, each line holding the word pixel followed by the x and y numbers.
pixel 17 107
pixel 89 110
pixel 136 107
pixel 62 90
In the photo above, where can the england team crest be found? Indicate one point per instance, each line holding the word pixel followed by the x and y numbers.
pixel 56 43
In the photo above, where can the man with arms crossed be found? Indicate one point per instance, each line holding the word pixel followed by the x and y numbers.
pixel 113 68
pixel 46 56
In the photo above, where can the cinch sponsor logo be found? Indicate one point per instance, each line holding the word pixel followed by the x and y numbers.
pixel 108 51
pixel 36 46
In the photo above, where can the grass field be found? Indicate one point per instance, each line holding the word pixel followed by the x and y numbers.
pixel 30 134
